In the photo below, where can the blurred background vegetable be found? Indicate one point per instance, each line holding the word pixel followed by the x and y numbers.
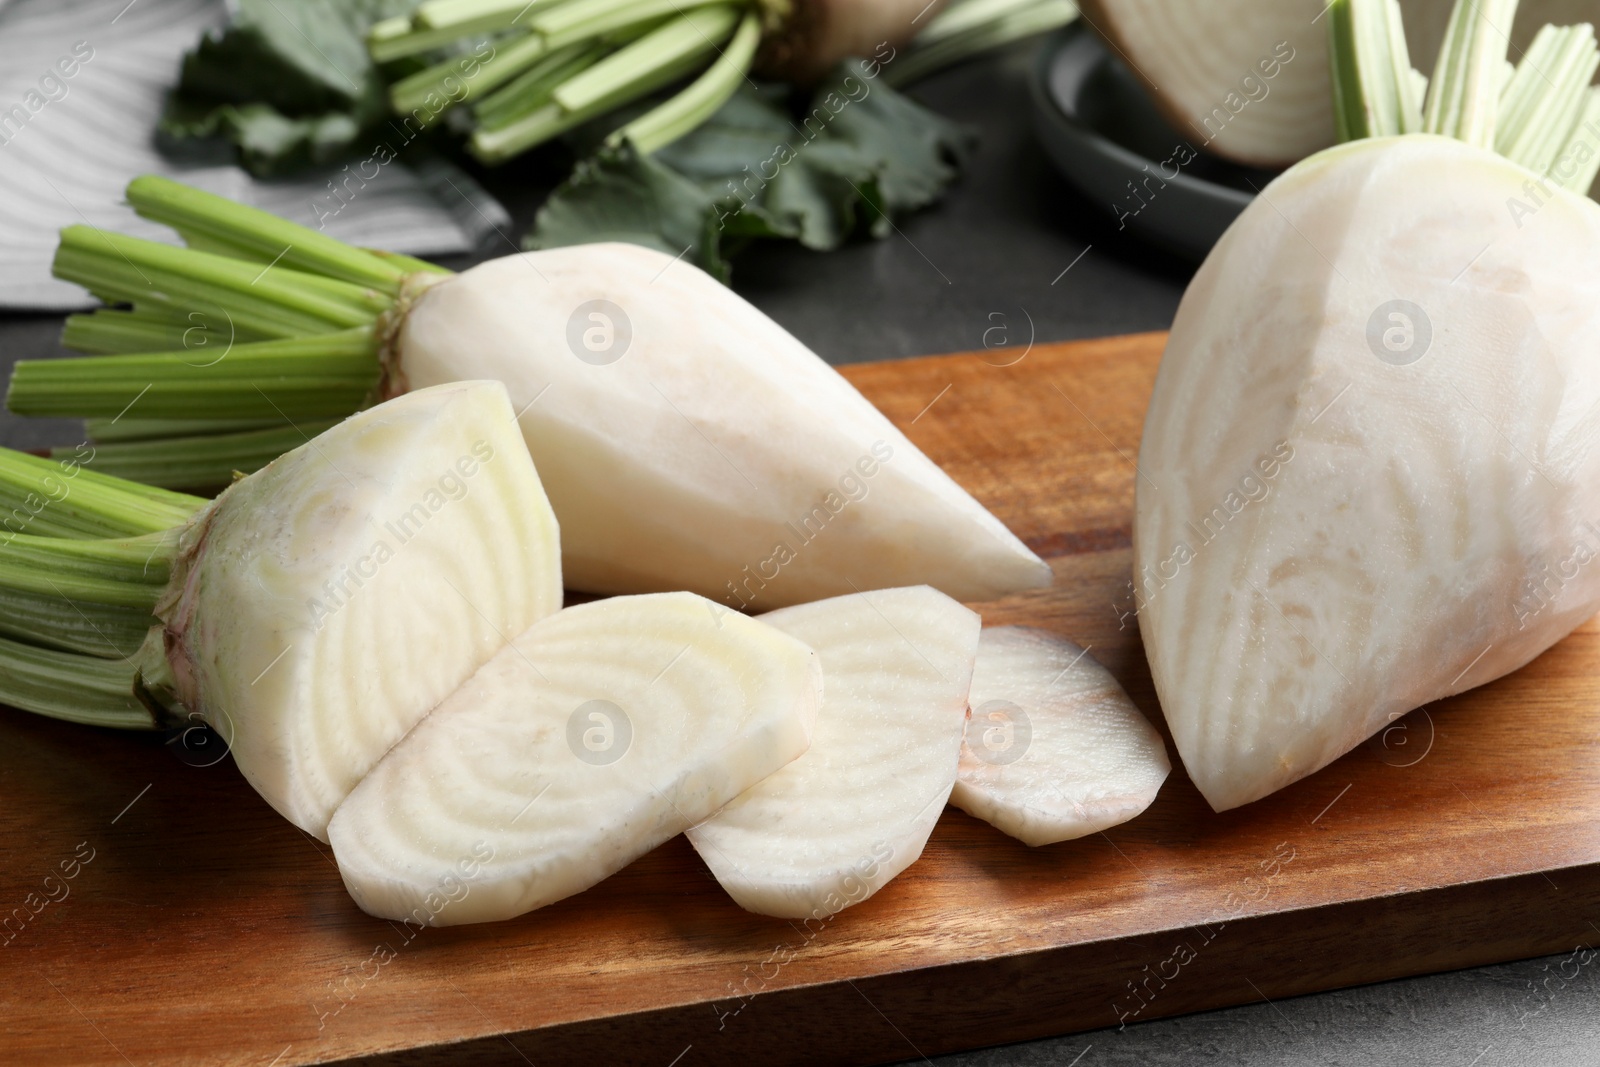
pixel 669 141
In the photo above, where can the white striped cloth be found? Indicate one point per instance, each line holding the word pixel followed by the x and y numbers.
pixel 67 154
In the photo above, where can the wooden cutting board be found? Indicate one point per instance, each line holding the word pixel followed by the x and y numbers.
pixel 198 927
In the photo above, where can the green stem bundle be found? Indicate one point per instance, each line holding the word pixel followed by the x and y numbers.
pixel 555 64
pixel 300 377
pixel 1376 92
pixel 1548 100
pixel 971 27
pixel 659 57
pixel 201 458
pixel 90 690
pixel 84 561
pixel 1542 114
pixel 700 100
pixel 228 354
pixel 1466 97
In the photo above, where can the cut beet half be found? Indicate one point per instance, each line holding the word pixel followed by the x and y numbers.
pixel 593 737
pixel 837 824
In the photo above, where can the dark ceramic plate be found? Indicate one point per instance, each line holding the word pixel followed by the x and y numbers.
pixel 1101 130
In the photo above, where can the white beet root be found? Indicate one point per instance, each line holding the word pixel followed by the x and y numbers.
pixel 1369 468
pixel 330 600
pixel 1054 748
pixel 833 827
pixel 593 737
pixel 689 442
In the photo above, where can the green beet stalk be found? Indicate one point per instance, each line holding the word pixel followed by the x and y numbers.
pixel 151 330
pixel 213 223
pixel 274 301
pixel 687 37
pixel 1374 87
pixel 321 376
pixel 662 125
pixel 973 27
pixel 564 62
pixel 442 23
pixel 1465 99
pixel 533 87
pixel 230 354
pixel 120 431
pixel 630 48
pixel 1543 114
pixel 471 16
pixel 1543 102
pixel 62 498
pixel 84 560
pixel 668 52
pixel 202 461
pixel 90 690
pixel 450 83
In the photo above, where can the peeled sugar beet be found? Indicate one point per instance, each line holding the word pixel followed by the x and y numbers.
pixel 595 735
pixel 326 603
pixel 1370 468
pixel 687 441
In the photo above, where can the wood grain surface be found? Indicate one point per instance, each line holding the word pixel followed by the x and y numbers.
pixel 199 927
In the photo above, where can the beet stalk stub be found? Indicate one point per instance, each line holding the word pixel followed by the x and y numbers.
pixel 687 441
pixel 1370 473
pixel 322 606
pixel 594 736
